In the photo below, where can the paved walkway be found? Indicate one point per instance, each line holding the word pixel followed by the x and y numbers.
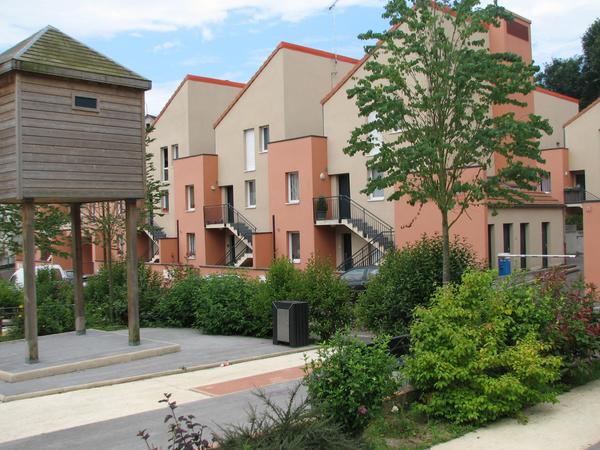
pixel 197 350
pixel 48 414
pixel 572 424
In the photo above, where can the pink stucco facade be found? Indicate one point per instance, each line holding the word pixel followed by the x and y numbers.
pixel 201 173
pixel 308 158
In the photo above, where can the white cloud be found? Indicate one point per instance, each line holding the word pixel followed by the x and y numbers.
pixel 86 18
pixel 166 46
pixel 159 95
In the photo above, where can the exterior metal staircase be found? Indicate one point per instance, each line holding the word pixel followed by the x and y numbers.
pixel 227 217
pixel 343 210
pixel 370 254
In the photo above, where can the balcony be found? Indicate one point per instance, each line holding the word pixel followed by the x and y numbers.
pixel 577 195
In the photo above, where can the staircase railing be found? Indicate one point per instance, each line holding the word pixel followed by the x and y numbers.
pixel 234 254
pixel 369 254
pixel 226 214
pixel 578 195
pixel 342 207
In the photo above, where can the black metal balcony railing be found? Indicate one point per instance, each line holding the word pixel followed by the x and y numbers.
pixel 341 208
pixel 226 214
pixel 578 195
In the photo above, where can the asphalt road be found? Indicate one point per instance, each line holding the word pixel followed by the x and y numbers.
pixel 120 434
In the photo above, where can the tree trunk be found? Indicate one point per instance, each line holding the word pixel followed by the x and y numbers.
pixel 445 248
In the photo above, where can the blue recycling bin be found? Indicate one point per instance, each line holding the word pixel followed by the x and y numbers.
pixel 504 266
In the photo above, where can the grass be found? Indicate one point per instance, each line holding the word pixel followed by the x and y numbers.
pixel 404 428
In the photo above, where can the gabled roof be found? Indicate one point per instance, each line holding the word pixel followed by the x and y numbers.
pixel 52 52
pixel 582 112
pixel 199 79
pixel 556 94
pixel 289 46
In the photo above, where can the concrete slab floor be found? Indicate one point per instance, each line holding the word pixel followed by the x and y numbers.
pixel 196 350
pixel 67 352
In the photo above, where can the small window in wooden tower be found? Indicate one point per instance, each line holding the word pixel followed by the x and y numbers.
pixel 85 103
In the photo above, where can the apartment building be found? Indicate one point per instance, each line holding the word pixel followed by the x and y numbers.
pixel 279 184
pixel 183 129
pixel 224 216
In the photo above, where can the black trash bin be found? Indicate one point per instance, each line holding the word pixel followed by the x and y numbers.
pixel 290 323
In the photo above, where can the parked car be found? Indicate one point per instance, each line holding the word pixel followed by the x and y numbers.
pixel 18 278
pixel 357 278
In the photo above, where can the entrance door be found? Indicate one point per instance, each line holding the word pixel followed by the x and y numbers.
pixel 347 250
pixel 229 201
pixel 344 193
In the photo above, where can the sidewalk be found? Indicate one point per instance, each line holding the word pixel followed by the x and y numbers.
pixel 572 424
pixel 31 417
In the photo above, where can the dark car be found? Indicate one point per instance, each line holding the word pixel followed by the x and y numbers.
pixel 357 278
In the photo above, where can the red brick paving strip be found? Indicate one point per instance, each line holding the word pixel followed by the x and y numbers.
pixel 252 382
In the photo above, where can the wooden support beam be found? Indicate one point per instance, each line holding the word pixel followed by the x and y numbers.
pixel 77 252
pixel 133 312
pixel 30 302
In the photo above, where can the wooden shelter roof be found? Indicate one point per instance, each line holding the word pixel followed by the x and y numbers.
pixel 52 52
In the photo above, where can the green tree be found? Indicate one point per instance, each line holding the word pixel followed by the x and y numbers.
pixel 432 76
pixel 563 76
pixel 591 64
pixel 48 224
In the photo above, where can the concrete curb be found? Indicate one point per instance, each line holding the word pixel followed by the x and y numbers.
pixel 88 364
pixel 146 376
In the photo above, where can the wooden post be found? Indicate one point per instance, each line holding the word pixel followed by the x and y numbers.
pixel 76 250
pixel 133 313
pixel 30 303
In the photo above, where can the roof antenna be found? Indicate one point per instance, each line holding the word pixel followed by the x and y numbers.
pixel 332 10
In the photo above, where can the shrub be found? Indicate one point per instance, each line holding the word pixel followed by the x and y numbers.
pixel 106 310
pixel 284 281
pixel 295 425
pixel 176 307
pixel 350 380
pixel 473 358
pixel 229 305
pixel 407 278
pixel 328 297
pixel 570 325
pixel 10 297
pixel 54 306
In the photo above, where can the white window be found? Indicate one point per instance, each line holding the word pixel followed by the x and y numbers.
pixel 264 139
pixel 251 194
pixel 546 184
pixel 294 246
pixel 293 187
pixel 377 194
pixel 164 163
pixel 250 150
pixel 175 151
pixel 191 245
pixel 190 201
pixel 164 200
pixel 375 135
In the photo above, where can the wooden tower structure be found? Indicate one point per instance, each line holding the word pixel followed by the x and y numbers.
pixel 71 132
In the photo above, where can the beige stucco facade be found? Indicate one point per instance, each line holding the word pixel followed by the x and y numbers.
pixel 534 217
pixel 187 122
pixel 583 140
pixel 285 96
pixel 558 109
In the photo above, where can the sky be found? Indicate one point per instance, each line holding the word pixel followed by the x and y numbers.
pixel 229 39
